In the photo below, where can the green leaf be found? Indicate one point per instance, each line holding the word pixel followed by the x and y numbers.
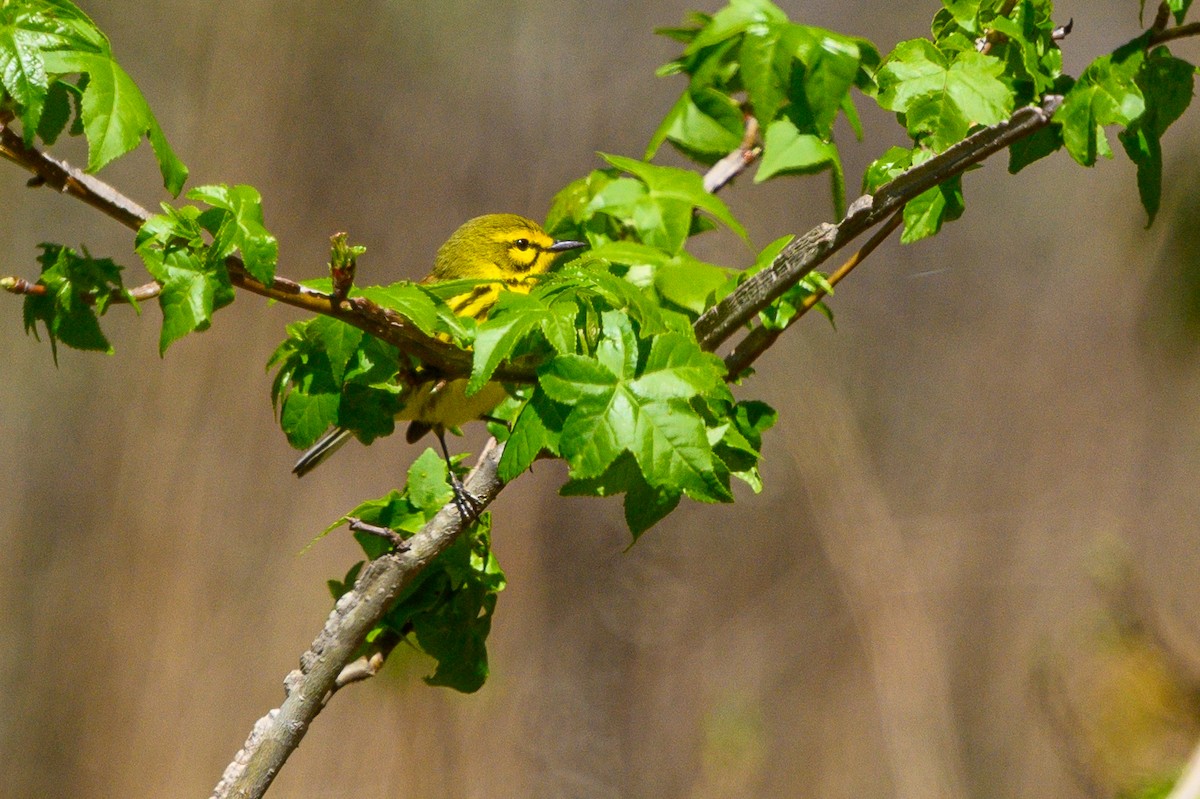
pixel 673 451
pixel 1025 151
pixel 332 373
pixel 191 290
pixel 23 72
pixel 535 431
pixel 886 168
pixel 306 415
pixel 788 151
pixel 421 305
pixel 1105 94
pixel 241 228
pixel 616 408
pixel 79 289
pixel 1166 83
pixel 56 112
pixel 455 608
pixel 833 63
pixel 570 209
pixel 704 133
pixel 115 114
pixel 663 212
pixel 642 260
pixel 678 369
pixel 574 378
pixel 689 282
pixel 339 341
pixel 512 321
pixel 28 32
pixel 646 505
pixel 943 97
pixel 766 58
pixel 734 19
pixel 428 482
pixel 741 440
pixel 925 213
pixel 1027 45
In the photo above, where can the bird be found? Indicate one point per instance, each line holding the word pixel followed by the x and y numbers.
pixel 509 250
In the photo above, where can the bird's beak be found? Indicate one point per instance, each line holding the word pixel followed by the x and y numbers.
pixel 563 246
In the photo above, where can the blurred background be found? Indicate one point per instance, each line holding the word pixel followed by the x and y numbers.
pixel 973 571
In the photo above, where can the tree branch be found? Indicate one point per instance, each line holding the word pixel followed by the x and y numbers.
pixel 277 734
pixel 809 251
pixel 736 162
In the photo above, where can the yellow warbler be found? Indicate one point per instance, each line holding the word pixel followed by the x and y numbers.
pixel 505 248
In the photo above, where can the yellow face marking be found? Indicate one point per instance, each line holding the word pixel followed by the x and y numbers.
pixel 526 249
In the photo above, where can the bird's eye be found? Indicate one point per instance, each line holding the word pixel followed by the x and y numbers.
pixel 522 244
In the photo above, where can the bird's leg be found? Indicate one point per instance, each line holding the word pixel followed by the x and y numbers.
pixel 468 506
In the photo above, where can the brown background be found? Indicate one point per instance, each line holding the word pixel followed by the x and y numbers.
pixel 999 414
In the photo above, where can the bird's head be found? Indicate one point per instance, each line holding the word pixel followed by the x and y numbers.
pixel 499 246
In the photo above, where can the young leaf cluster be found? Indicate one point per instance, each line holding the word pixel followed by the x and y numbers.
pixel 57 66
pixel 749 59
pixel 447 611
pixel 624 395
pixel 185 249
pixel 985 58
pixel 1144 91
pixel 333 374
pixel 988 57
pixel 79 289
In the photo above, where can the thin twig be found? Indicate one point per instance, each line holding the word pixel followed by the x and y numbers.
pixel 1162 17
pixel 386 533
pixel 369 664
pixel 19 285
pixel 758 340
pixel 736 162
pixel 1178 32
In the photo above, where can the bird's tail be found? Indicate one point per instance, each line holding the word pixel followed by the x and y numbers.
pixel 318 452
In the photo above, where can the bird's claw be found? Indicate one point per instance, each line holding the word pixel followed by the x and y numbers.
pixel 467 504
